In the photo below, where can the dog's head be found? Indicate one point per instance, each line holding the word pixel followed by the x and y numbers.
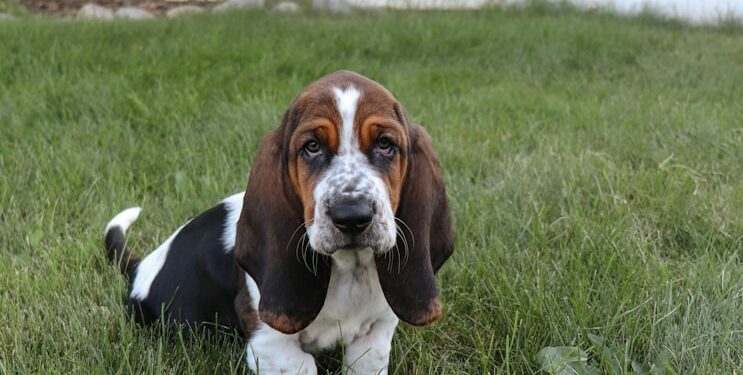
pixel 346 170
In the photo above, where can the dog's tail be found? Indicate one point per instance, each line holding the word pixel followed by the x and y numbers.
pixel 116 241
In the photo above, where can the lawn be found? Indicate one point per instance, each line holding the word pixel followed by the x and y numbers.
pixel 593 164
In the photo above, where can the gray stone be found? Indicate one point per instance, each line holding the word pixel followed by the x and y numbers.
pixel 287 7
pixel 133 13
pixel 238 4
pixel 183 10
pixel 95 12
pixel 5 16
pixel 332 6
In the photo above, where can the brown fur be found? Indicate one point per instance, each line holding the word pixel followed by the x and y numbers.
pixel 247 316
pixel 409 284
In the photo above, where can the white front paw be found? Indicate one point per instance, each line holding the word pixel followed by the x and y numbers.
pixel 368 364
pixel 288 362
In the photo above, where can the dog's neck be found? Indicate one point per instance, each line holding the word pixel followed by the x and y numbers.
pixel 353 303
pixel 349 260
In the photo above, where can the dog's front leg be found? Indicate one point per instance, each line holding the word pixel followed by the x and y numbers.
pixel 270 352
pixel 370 353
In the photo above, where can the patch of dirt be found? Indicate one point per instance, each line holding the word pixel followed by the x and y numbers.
pixel 70 7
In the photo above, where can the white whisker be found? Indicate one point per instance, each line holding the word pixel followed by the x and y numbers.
pixel 412 236
pixel 300 226
pixel 406 245
pixel 302 245
pixel 303 248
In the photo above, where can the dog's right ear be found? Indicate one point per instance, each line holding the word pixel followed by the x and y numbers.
pixel 409 284
pixel 267 245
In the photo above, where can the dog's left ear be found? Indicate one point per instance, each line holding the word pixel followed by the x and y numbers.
pixel 408 281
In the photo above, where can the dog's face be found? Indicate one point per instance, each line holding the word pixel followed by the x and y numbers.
pixel 343 169
pixel 347 161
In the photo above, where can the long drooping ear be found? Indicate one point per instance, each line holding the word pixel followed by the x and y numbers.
pixel 408 282
pixel 268 244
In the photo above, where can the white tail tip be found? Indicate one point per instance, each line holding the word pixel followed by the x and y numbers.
pixel 124 219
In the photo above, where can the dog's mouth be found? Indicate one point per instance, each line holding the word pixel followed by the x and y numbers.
pixel 354 245
pixel 363 242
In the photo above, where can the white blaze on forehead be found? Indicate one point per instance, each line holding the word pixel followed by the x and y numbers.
pixel 347 101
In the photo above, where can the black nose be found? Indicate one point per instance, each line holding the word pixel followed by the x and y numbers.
pixel 351 217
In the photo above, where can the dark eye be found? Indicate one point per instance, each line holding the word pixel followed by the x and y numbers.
pixel 312 148
pixel 384 143
pixel 385 146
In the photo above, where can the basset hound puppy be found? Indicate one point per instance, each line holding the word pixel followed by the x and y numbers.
pixel 340 231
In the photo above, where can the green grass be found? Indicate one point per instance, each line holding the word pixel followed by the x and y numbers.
pixel 593 163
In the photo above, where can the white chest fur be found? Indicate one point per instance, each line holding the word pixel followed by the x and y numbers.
pixel 355 314
pixel 353 303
